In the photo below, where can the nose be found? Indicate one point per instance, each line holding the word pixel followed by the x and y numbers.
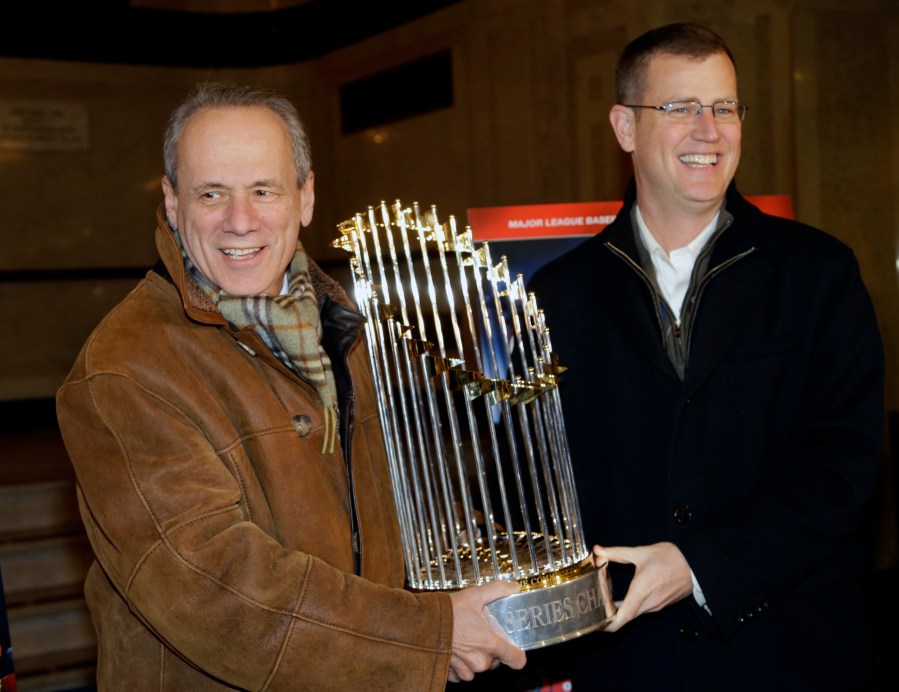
pixel 706 127
pixel 241 215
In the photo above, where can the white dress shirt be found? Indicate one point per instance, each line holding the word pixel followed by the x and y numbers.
pixel 673 270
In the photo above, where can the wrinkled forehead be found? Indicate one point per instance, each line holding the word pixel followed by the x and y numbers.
pixel 217 125
pixel 236 136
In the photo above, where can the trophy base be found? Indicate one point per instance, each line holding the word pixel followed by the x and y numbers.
pixel 546 615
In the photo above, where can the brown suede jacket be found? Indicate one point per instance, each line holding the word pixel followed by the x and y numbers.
pixel 224 537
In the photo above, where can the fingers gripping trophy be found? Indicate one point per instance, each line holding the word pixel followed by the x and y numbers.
pixel 466 381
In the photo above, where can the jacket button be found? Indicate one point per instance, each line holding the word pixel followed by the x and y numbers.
pixel 682 514
pixel 302 424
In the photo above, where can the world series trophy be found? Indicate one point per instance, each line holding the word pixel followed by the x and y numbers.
pixel 466 382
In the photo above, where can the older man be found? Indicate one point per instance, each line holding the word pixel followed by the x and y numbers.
pixel 231 471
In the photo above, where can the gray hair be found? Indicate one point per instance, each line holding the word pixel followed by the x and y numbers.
pixel 223 95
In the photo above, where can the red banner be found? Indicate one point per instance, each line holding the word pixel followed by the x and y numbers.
pixel 536 221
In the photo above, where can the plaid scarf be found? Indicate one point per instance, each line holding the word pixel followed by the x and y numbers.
pixel 290 326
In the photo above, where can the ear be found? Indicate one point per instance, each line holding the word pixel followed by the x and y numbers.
pixel 623 121
pixel 307 197
pixel 171 201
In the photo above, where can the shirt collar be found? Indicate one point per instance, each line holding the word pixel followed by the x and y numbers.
pixel 694 246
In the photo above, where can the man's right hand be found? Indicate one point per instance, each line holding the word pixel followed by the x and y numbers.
pixel 478 645
pixel 662 577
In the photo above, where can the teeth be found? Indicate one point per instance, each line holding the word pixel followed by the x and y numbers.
pixel 699 158
pixel 241 252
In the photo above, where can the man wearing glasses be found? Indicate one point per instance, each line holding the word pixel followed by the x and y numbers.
pixel 723 405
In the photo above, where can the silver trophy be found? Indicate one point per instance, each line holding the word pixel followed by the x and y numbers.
pixel 466 381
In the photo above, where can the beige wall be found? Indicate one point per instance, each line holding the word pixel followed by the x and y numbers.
pixel 533 82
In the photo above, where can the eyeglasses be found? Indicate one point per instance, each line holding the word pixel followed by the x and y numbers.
pixel 689 111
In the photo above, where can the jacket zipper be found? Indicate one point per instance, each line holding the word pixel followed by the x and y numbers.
pixel 646 279
pixel 700 287
pixel 704 281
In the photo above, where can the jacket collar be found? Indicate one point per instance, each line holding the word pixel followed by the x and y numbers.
pixel 747 230
pixel 748 235
pixel 196 303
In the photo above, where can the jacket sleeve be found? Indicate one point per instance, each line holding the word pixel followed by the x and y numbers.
pixel 164 514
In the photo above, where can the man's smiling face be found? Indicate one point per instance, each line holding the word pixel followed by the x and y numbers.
pixel 685 166
pixel 237 207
